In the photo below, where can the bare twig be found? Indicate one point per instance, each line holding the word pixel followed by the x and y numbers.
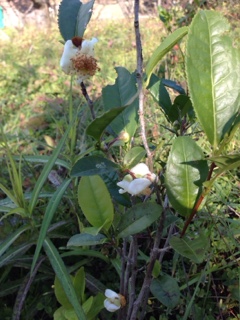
pixel 23 290
pixel 89 101
pixel 140 83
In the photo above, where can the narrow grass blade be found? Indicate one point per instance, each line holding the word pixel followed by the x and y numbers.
pixel 51 209
pixel 62 274
pixel 11 238
pixel 13 253
pixel 47 168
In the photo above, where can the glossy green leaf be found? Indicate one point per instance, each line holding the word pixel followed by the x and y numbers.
pixel 134 156
pixel 62 274
pixel 186 171
pixel 160 95
pixel 84 15
pixel 122 93
pixel 67 18
pixel 95 202
pixel 73 18
pixel 138 218
pixel 111 178
pixel 193 249
pixel 163 49
pixel 212 66
pixel 166 290
pixel 93 165
pixel 85 239
pixel 97 126
pixel 49 213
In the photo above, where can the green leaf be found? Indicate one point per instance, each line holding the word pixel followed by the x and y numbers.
pixel 95 202
pixel 163 49
pixel 166 290
pixel 98 306
pixel 84 16
pixel 60 293
pixel 79 284
pixel 49 213
pixel 67 18
pixel 193 249
pixel 42 159
pixel 122 93
pixel 46 170
pixel 84 252
pixel 97 126
pixel 5 244
pixel 212 67
pixel 85 239
pixel 13 253
pixel 138 218
pixel 160 95
pixel 73 18
pixel 62 274
pixel 134 156
pixel 186 171
pixel 228 162
pixel 111 178
pixel 93 165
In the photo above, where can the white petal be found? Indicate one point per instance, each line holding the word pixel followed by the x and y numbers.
pixel 123 184
pixel 88 46
pixel 68 53
pixel 111 307
pixel 140 170
pixel 111 294
pixel 138 186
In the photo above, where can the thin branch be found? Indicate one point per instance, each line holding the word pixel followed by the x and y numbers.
pixel 23 290
pixel 140 83
pixel 89 101
pixel 142 298
pixel 198 203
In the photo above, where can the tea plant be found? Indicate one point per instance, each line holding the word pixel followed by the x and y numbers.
pixel 142 231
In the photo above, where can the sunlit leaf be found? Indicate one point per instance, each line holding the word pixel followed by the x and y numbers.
pixel 212 66
pixel 186 171
pixel 122 93
pixel 164 48
pixel 97 126
pixel 95 201
pixel 134 156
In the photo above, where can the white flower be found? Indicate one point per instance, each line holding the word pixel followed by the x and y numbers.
pixel 138 181
pixel 78 58
pixel 114 300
